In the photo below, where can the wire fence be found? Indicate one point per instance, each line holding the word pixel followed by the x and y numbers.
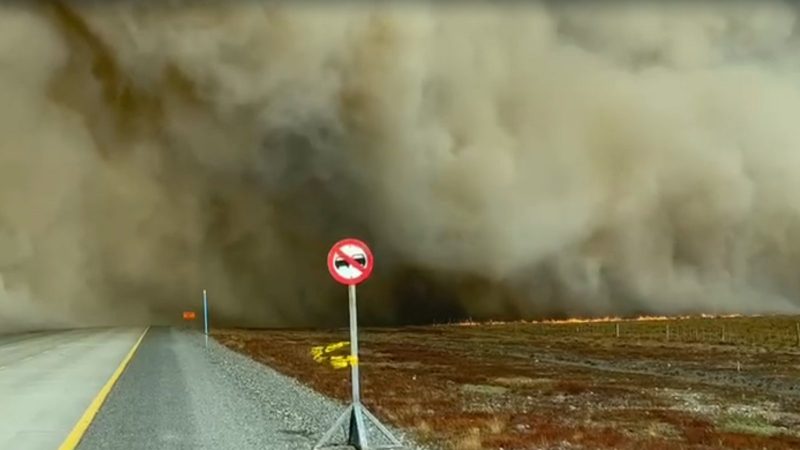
pixel 768 332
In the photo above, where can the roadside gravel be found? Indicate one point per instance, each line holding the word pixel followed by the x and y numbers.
pixel 178 394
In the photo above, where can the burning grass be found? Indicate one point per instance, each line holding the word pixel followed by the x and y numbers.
pixel 568 384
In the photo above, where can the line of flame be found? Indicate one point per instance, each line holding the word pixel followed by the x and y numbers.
pixel 578 320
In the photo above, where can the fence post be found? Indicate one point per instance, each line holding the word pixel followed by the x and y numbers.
pixel 617 327
pixel 797 327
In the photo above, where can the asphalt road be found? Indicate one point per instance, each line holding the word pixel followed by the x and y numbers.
pixel 48 379
pixel 178 394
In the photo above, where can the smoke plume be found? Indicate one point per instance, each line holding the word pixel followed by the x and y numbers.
pixel 504 160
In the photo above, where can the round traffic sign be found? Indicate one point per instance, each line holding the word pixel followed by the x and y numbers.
pixel 350 261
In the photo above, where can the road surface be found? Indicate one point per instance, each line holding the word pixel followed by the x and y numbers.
pixel 48 379
pixel 178 394
pixel 163 391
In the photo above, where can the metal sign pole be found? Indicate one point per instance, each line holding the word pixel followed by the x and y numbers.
pixel 358 433
pixel 205 315
pixel 354 344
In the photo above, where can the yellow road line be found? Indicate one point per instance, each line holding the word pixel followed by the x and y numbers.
pixel 74 437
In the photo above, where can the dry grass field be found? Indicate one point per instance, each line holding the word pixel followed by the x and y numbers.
pixel 707 383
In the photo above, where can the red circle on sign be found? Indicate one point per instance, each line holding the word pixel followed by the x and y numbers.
pixel 350 261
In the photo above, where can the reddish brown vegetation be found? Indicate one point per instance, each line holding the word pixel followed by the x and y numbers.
pixel 526 386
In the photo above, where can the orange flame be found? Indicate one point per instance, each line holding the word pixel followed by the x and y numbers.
pixel 607 319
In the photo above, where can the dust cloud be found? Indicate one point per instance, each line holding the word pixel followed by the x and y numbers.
pixel 513 160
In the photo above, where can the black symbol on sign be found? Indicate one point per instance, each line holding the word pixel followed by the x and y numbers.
pixel 358 257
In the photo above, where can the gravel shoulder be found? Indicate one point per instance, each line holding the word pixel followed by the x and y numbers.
pixel 178 394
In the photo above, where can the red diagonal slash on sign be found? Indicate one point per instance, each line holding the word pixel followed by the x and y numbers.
pixel 337 254
pixel 351 261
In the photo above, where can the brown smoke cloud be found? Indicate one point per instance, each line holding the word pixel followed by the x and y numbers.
pixel 512 160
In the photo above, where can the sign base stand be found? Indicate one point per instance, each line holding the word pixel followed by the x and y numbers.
pixel 357 431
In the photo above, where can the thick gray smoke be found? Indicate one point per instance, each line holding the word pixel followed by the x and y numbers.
pixel 504 161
